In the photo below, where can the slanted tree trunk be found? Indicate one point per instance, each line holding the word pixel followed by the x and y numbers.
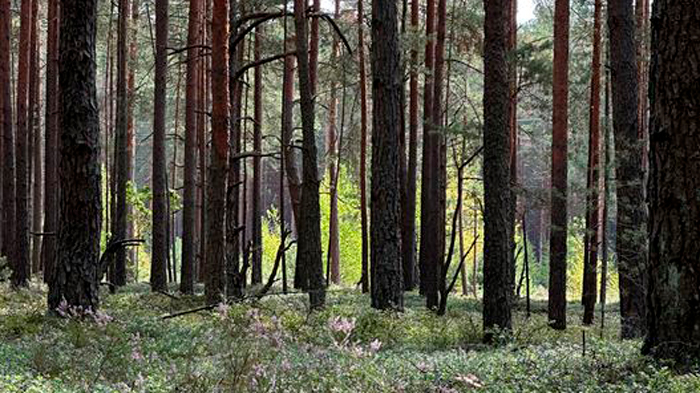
pixel 496 297
pixel 159 253
pixel 387 287
pixel 80 208
pixel 256 200
pixel 121 143
pixel 593 186
pixel 21 266
pixel 309 226
pixel 216 187
pixel 51 132
pixel 364 280
pixel 560 120
pixel 674 181
pixel 631 212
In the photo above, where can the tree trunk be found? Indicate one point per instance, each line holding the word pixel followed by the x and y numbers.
pixel 290 154
pixel 309 242
pixel 48 243
pixel 121 143
pixel 21 264
pixel 189 246
pixel 332 150
pixel 130 132
pixel 593 186
pixel 364 280
pixel 428 246
pixel 409 243
pixel 674 181
pixel 641 11
pixel 234 277
pixel 496 296
pixel 631 212
pixel 8 166
pixel 387 287
pixel 560 120
pixel 80 208
pixel 513 130
pixel 256 200
pixel 160 215
pixel 216 188
pixel 34 123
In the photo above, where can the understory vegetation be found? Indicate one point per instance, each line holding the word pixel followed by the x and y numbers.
pixel 276 345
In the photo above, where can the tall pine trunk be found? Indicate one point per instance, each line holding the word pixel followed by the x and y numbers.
pixel 364 280
pixel 159 253
pixel 76 276
pixel 674 181
pixel 387 287
pixel 560 120
pixel 48 244
pixel 34 122
pixel 309 226
pixel 8 165
pixel 593 184
pixel 256 200
pixel 496 297
pixel 631 212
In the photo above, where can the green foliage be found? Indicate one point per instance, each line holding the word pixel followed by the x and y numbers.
pixel 276 345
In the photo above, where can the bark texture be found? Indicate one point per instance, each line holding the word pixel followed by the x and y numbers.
pixel 560 120
pixel 216 186
pixel 80 208
pixel 387 286
pixel 160 214
pixel 496 298
pixel 674 181
pixel 631 213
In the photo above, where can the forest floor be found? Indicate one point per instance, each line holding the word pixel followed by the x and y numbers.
pixel 276 345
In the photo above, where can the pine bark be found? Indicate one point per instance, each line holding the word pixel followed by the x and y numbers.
pixel 496 297
pixel 593 182
pixel 8 166
pixel 429 218
pixel 674 181
pixel 387 286
pixel 121 143
pixel 559 218
pixel 80 208
pixel 309 241
pixel 332 151
pixel 409 243
pixel 34 123
pixel 51 132
pixel 364 280
pixel 159 253
pixel 21 267
pixel 216 186
pixel 631 212
pixel 256 200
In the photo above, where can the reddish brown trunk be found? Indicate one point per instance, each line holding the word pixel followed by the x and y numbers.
pixel 364 280
pixel 559 219
pixel 409 244
pixel 21 264
pixel 216 188
pixel 642 19
pixel 8 165
pixel 428 216
pixel 592 205
pixel 256 200
pixel 34 123
pixel 48 251
pixel 160 215
pixel 332 150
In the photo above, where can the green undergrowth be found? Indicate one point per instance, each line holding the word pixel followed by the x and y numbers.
pixel 277 345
